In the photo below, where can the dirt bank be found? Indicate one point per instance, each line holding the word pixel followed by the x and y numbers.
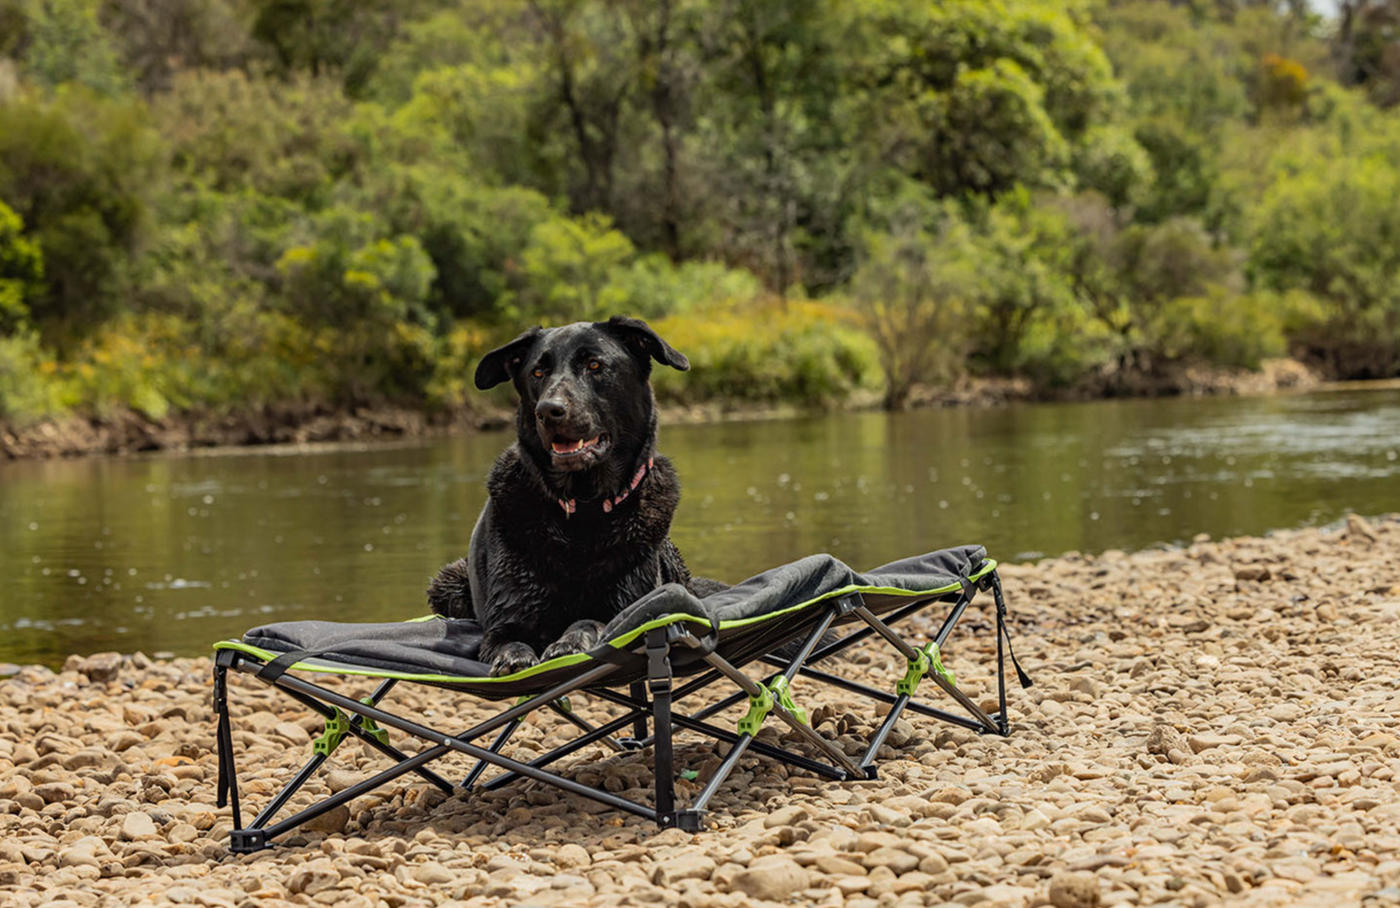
pixel 127 432
pixel 1214 725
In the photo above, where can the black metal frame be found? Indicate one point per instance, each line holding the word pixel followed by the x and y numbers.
pixel 653 699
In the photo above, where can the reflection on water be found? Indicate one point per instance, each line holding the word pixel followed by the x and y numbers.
pixel 170 553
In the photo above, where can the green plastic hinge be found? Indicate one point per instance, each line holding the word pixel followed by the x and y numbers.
pixel 928 660
pixel 562 702
pixel 370 727
pixel 759 707
pixel 783 695
pixel 337 727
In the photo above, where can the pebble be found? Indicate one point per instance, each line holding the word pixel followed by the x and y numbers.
pixel 773 878
pixel 1193 738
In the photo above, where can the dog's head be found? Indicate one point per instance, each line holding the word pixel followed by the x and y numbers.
pixel 585 392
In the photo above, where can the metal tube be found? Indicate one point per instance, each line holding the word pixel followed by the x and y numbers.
pixel 582 725
pixel 562 750
pixel 883 732
pixel 885 631
pixel 856 687
pixel 287 791
pixel 496 746
pixel 731 760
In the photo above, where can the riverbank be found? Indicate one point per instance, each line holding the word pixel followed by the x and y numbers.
pixel 1209 725
pixel 126 431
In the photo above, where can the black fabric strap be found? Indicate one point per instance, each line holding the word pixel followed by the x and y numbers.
pixel 1003 630
pixel 228 773
pixel 278 667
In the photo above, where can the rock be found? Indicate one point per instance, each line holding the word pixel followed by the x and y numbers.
pixel 433 874
pixel 570 856
pixel 101 667
pixel 838 865
pixel 896 860
pixel 1257 573
pixel 1358 528
pixel 772 878
pixel 137 827
pixel 1207 740
pixel 683 867
pixel 1074 890
pixel 1163 739
pixel 332 821
pixel 785 816
pixel 55 792
pixel 313 878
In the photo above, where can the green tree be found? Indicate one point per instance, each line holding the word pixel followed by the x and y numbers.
pixel 1332 229
pixel 78 170
pixel 914 289
pixel 21 271
pixel 62 42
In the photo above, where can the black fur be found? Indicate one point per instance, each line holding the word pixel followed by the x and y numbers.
pixel 565 541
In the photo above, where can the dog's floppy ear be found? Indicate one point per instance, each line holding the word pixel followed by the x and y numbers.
pixel 637 336
pixel 500 365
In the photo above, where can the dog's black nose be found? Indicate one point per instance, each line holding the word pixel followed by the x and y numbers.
pixel 551 409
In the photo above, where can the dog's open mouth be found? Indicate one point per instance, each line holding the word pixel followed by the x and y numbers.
pixel 573 453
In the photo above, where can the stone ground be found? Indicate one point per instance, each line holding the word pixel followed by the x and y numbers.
pixel 1210 725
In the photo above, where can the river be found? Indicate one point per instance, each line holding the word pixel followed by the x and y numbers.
pixel 167 553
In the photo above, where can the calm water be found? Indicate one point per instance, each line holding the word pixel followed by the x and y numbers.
pixel 169 553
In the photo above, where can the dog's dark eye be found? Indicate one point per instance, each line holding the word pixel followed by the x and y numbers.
pixel 538 373
pixel 594 365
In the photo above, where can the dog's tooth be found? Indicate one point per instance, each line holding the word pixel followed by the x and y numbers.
pixel 607 505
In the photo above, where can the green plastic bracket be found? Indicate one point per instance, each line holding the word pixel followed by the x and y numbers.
pixel 935 658
pixel 370 727
pixel 759 707
pixel 337 727
pixel 928 660
pixel 783 695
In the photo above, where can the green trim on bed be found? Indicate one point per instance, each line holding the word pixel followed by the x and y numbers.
pixel 622 641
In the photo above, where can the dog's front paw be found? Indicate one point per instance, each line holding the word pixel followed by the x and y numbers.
pixel 581 637
pixel 512 658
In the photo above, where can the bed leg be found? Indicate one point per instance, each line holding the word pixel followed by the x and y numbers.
pixel 638 690
pixel 659 686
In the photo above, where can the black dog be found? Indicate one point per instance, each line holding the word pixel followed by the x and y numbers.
pixel 580 505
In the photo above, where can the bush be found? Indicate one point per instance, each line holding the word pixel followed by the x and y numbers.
pixel 28 391
pixel 1330 228
pixel 77 169
pixel 804 353
pixel 1224 329
pixel 21 270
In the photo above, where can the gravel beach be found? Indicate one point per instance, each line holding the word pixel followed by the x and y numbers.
pixel 1218 724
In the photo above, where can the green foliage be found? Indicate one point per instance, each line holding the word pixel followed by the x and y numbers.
pixel 807 354
pixel 1332 229
pixel 565 271
pixel 21 270
pixel 1224 329
pixel 77 169
pixel 230 132
pixel 978 97
pixel 917 283
pixel 63 43
pixel 27 391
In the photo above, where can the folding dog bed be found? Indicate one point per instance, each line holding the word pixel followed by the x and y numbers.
pixel 668 634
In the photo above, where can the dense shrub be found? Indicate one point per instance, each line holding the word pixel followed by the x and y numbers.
pixel 803 353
